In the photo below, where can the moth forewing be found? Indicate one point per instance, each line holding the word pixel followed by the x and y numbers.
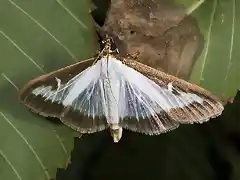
pixel 190 103
pixel 115 92
pixel 63 74
pixel 43 96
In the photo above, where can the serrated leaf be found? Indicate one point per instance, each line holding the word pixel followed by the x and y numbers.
pixel 37 37
pixel 218 67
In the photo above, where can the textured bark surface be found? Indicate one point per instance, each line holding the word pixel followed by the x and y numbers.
pixel 159 30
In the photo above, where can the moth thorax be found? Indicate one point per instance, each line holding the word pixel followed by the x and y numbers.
pixel 116 132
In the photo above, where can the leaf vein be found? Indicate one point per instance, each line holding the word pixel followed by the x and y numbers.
pixel 194 6
pixel 29 145
pixel 55 131
pixel 232 40
pixel 10 164
pixel 43 28
pixel 208 39
pixel 71 14
pixel 61 142
pixel 21 50
pixel 10 81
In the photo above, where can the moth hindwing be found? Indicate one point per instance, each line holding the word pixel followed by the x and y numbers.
pixel 116 92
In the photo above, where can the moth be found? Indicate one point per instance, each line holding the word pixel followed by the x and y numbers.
pixel 116 92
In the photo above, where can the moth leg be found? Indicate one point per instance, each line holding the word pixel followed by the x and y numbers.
pixel 116 51
pixel 134 55
pixel 98 52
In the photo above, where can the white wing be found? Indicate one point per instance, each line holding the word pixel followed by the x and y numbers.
pixel 142 98
pixel 121 95
pixel 82 98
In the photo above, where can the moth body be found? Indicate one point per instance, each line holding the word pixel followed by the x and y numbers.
pixel 116 132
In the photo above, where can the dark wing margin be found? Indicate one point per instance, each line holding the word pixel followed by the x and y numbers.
pixel 194 112
pixel 150 125
pixel 68 115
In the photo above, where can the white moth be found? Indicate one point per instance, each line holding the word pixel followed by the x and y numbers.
pixel 118 93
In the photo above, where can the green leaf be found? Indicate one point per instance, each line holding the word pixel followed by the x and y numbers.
pixel 37 37
pixel 218 67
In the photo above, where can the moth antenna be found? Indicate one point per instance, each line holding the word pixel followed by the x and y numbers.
pixel 107 48
pixel 116 50
pixel 101 52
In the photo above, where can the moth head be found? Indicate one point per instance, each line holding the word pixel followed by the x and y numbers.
pixel 108 46
pixel 116 132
